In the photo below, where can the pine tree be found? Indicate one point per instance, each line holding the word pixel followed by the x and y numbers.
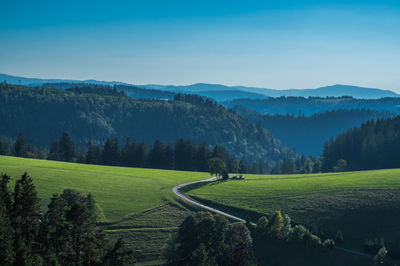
pixel 25 218
pixel 5 193
pixel 20 146
pixel 6 236
pixel 55 231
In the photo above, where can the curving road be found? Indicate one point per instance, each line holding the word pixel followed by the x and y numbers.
pixel 211 179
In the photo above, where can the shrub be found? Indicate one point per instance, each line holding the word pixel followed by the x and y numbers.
pixel 262 224
pixel 314 241
pixel 298 232
pixel 276 224
pixel 379 258
pixel 287 227
pixel 328 243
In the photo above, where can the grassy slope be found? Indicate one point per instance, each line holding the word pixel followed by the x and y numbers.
pixel 120 191
pixel 362 204
pixel 138 203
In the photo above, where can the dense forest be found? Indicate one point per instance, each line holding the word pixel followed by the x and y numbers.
pixel 374 145
pixel 131 91
pixel 311 105
pixel 183 155
pixel 42 114
pixel 307 134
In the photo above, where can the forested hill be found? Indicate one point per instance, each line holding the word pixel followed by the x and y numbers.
pixel 312 105
pixel 375 145
pixel 307 134
pixel 42 114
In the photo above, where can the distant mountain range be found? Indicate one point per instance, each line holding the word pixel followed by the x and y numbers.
pixel 221 92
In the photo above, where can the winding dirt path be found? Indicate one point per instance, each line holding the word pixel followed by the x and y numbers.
pixel 211 179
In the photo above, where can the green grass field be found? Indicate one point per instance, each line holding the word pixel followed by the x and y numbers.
pixel 120 191
pixel 140 206
pixel 363 204
pixel 138 203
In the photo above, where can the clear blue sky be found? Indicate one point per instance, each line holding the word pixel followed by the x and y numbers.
pixel 272 44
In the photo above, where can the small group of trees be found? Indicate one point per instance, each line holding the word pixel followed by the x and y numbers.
pixel 67 234
pixel 279 227
pixel 302 165
pixel 207 239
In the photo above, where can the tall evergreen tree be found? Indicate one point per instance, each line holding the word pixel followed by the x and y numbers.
pixel 25 218
pixel 6 231
pixel 20 146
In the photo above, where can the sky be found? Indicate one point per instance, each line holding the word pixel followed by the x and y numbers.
pixel 269 44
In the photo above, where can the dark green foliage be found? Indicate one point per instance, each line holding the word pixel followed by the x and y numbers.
pixel 302 165
pixel 111 154
pixel 99 116
pixel 239 241
pixel 275 224
pixel 372 146
pixel 307 134
pixel 206 239
pixel 6 236
pixel 119 255
pixel 5 193
pixel 67 234
pixel 262 224
pixel 312 105
pixel 328 243
pixel 63 150
pixel 6 147
pixel 25 218
pixel 55 232
pixel 379 258
pixel 20 146
pixel 217 167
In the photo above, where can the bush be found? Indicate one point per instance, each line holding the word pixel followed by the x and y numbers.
pixel 328 243
pixel 262 224
pixel 314 241
pixel 276 224
pixel 379 258
pixel 298 233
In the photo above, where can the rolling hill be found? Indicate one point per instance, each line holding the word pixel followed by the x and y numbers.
pixel 226 92
pixel 42 114
pixel 363 205
pixel 308 134
pixel 138 203
pixel 310 106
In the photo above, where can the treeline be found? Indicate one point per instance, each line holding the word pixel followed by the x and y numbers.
pixel 374 145
pixel 302 165
pixel 312 105
pixel 307 134
pixel 101 113
pixel 182 155
pixel 67 234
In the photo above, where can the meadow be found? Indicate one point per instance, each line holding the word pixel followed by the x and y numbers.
pixel 138 203
pixel 362 205
pixel 140 207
